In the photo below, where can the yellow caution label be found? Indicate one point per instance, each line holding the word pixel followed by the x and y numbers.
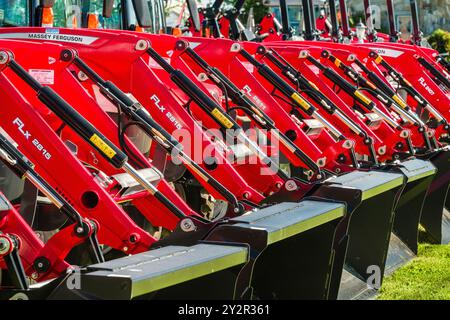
pixel 362 97
pixel 302 102
pixel 399 101
pixel 103 146
pixel 222 118
pixel 378 59
pixel 337 62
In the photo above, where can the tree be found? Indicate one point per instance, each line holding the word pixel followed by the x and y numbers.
pixel 259 10
pixel 440 41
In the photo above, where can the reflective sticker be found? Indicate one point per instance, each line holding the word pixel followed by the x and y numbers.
pixel 155 65
pixel 43 76
pixel 194 45
pixel 297 98
pixel 314 69
pixel 248 66
pixel 362 97
pixel 356 67
pixel 222 118
pixel 387 52
pixel 103 146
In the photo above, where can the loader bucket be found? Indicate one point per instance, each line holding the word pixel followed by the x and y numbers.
pixel 435 219
pixel 403 244
pixel 204 271
pixel 234 261
pixel 292 254
pixel 371 198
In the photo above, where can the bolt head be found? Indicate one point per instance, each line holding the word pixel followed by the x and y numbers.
pixel 141 45
pixel 82 76
pixel 187 225
pixel 290 185
pixel 3 57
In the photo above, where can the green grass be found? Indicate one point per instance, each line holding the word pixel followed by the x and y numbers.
pixel 427 277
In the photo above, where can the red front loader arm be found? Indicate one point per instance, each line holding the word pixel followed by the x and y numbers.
pixel 360 133
pixel 356 58
pixel 406 61
pixel 17 235
pixel 60 168
pixel 423 94
pixel 397 135
pixel 32 57
pixel 269 181
pixel 428 58
pixel 388 130
pixel 163 106
pixel 391 105
pixel 217 52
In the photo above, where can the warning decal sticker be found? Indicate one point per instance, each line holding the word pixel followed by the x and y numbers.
pixel 43 76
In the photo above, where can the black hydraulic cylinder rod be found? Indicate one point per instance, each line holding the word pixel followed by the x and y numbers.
pixel 279 83
pixel 380 87
pixel 441 60
pixel 286 29
pixel 344 17
pixel 416 34
pixel 312 15
pixel 393 33
pixel 391 94
pixel 436 73
pixel 73 119
pixel 348 88
pixel 309 88
pixel 388 98
pixel 314 93
pixel 309 31
pixel 334 21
